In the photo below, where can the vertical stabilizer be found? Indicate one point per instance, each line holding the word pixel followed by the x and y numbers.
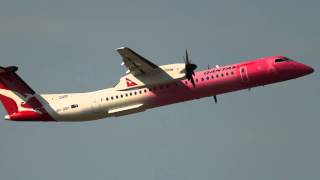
pixel 18 99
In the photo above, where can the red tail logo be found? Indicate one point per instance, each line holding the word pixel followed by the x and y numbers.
pixel 19 100
pixel 130 83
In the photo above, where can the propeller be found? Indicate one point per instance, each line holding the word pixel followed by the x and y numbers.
pixel 189 69
pixel 215 99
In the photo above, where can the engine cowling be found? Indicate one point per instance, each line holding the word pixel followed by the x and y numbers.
pixel 164 74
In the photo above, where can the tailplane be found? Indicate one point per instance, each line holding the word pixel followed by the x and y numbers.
pixel 18 99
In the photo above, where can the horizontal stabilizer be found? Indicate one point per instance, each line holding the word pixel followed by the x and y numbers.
pixel 8 69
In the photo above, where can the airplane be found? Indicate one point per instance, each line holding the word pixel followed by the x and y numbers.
pixel 144 86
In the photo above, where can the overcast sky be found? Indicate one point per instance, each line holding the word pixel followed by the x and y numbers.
pixel 271 132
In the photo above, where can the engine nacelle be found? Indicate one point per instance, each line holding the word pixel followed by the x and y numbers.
pixel 163 74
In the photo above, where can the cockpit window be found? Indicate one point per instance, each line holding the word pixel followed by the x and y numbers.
pixel 278 60
pixel 281 60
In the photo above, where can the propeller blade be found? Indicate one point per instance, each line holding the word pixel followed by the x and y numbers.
pixel 187 57
pixel 189 68
pixel 215 99
pixel 192 82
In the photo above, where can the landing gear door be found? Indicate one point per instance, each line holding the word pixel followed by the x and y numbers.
pixel 244 74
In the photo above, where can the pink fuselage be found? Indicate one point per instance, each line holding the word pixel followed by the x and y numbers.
pixel 226 79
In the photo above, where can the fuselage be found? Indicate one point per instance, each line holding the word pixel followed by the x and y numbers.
pixel 209 82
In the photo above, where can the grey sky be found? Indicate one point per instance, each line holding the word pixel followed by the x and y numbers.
pixel 69 46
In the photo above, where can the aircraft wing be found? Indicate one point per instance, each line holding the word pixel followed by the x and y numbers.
pixel 134 62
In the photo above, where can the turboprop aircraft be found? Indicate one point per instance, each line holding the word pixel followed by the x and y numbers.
pixel 145 85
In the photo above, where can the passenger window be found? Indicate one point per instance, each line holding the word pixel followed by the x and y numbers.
pixel 107 99
pixel 207 77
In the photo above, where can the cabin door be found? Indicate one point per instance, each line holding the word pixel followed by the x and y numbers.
pixel 244 74
pixel 95 106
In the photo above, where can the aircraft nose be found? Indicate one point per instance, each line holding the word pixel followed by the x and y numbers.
pixel 311 70
pixel 304 69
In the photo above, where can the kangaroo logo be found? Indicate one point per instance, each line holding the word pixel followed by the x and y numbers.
pixel 23 102
pixel 30 101
pixel 130 83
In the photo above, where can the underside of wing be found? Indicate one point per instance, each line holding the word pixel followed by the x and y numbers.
pixel 134 62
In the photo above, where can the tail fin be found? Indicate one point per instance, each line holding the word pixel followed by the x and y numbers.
pixel 19 100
